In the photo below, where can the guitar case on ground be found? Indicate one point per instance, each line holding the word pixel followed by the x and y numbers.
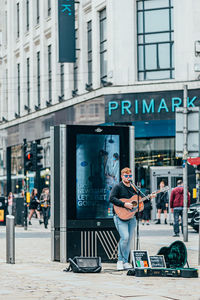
pixel 176 258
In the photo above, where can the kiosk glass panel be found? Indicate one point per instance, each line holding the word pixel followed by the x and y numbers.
pixel 97 170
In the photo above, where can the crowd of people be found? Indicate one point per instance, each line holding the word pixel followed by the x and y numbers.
pixel 40 206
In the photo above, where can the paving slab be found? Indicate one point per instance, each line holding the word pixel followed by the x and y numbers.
pixel 35 276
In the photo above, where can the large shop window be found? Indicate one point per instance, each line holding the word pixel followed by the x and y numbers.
pixel 155 39
pixel 155 152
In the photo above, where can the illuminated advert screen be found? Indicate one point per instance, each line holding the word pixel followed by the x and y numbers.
pixel 97 170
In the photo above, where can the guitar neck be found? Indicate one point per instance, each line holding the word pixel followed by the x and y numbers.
pixel 148 197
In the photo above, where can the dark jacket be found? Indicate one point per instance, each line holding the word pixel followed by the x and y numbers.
pixel 176 198
pixel 34 202
pixel 162 197
pixel 121 191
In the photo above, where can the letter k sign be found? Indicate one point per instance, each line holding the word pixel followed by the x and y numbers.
pixel 67 8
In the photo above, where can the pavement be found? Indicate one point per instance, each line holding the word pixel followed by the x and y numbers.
pixel 35 276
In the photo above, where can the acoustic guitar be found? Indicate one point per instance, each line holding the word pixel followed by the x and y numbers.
pixel 126 213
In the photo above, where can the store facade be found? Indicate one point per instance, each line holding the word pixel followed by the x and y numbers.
pixel 152 114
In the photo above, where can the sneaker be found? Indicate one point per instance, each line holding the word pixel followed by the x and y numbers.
pixel 120 265
pixel 29 223
pixel 176 235
pixel 127 266
pixel 165 221
pixel 40 222
pixel 45 226
pixel 158 221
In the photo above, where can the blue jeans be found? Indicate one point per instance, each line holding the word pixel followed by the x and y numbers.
pixel 126 230
pixel 178 211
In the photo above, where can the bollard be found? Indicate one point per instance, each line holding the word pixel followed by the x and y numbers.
pixel 10 239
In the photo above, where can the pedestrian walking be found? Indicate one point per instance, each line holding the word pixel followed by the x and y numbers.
pixel 162 202
pixel 45 205
pixel 176 204
pixel 10 203
pixel 33 206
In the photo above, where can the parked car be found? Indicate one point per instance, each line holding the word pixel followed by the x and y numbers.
pixel 194 216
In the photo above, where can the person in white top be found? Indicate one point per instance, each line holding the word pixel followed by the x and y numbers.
pixel 10 203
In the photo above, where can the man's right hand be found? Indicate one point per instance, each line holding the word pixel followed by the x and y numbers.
pixel 128 205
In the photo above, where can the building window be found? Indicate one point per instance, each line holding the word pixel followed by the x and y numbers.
pixel 49 74
pixel 49 8
pixel 38 78
pixel 7 86
pixel 103 45
pixel 6 27
pixel 18 88
pixel 82 110
pixel 155 39
pixel 28 81
pixel 89 35
pixel 18 25
pixel 37 11
pixel 62 78
pixel 93 109
pixel 76 63
pixel 27 15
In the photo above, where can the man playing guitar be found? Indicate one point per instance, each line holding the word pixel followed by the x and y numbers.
pixel 125 228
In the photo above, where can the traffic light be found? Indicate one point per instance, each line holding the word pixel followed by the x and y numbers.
pixel 28 161
pixel 37 156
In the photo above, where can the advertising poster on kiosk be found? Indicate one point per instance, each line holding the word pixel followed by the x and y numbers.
pixel 97 170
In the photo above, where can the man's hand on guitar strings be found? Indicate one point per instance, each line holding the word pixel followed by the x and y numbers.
pixel 128 205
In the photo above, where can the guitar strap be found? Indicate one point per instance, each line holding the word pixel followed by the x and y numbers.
pixel 134 189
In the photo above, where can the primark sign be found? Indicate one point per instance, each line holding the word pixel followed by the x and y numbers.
pixel 147 106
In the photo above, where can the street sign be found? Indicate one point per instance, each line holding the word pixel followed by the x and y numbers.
pixel 66 31
pixel 194 161
pixel 193 135
pixel 157 261
pixel 140 259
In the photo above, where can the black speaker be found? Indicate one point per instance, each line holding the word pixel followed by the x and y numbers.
pixel 85 264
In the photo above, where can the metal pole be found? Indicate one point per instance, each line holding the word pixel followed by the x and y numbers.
pixel 197 186
pixel 63 193
pixel 10 239
pixel 25 189
pixel 197 182
pixel 185 156
pixel 199 241
pixel 25 205
pixel 52 159
pixel 132 167
pixel 132 150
